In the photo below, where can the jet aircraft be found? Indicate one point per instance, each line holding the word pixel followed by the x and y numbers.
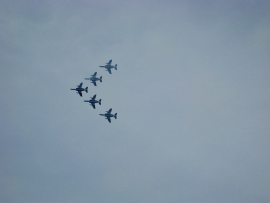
pixel 79 89
pixel 108 66
pixel 93 79
pixel 92 101
pixel 108 115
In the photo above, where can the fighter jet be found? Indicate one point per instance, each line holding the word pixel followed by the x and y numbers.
pixel 93 79
pixel 79 89
pixel 92 101
pixel 108 66
pixel 108 115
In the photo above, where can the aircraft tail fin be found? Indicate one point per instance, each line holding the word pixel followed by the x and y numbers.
pixel 99 102
pixel 100 78
pixel 86 89
pixel 115 66
pixel 115 115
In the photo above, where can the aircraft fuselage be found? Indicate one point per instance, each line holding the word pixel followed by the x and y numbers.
pixel 91 101
pixel 107 115
pixel 79 89
pixel 109 66
pixel 93 79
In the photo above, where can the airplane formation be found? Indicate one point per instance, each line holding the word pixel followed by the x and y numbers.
pixel 108 115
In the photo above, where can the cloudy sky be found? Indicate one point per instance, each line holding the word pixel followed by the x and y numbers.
pixel 191 92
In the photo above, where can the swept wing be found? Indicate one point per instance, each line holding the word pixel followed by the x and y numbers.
pixel 109 119
pixel 93 105
pixel 109 111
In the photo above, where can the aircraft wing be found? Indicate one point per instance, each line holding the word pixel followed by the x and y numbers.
pixel 94 96
pixel 93 105
pixel 94 74
pixel 109 119
pixel 109 63
pixel 80 85
pixel 80 93
pixel 109 70
pixel 94 82
pixel 109 111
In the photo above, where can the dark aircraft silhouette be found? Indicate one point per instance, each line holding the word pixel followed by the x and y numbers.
pixel 93 78
pixel 92 101
pixel 108 115
pixel 108 66
pixel 79 89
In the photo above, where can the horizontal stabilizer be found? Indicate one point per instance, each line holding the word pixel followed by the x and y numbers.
pixel 86 89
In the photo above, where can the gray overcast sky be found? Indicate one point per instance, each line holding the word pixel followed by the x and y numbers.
pixel 191 92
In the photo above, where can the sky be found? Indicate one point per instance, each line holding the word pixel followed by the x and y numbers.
pixel 191 93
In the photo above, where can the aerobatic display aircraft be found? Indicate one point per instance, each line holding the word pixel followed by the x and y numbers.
pixel 79 89
pixel 108 66
pixel 93 79
pixel 108 115
pixel 92 101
